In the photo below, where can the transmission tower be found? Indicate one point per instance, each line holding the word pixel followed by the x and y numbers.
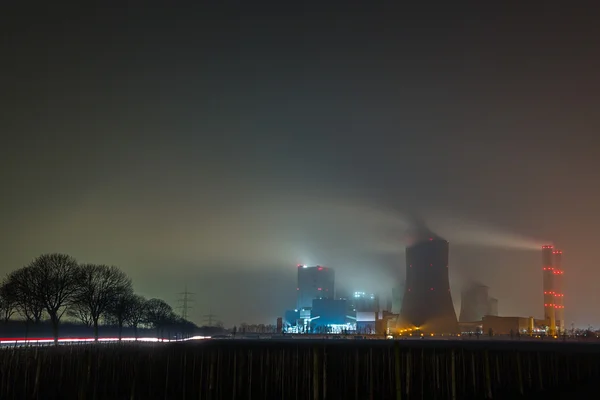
pixel 209 319
pixel 185 300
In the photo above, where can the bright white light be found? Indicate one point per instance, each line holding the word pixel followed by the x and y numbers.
pixel 5 341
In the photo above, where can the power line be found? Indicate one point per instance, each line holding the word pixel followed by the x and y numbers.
pixel 185 300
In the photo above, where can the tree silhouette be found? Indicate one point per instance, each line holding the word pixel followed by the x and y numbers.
pixel 7 303
pixel 158 314
pixel 100 286
pixel 55 283
pixel 134 311
pixel 82 314
pixel 18 288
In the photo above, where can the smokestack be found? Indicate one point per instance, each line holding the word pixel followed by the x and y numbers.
pixel 548 276
pixel 559 308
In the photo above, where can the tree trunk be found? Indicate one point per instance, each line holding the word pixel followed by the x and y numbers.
pixel 95 329
pixel 135 333
pixel 120 330
pixel 54 321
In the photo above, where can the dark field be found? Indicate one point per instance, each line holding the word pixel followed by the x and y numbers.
pixel 303 369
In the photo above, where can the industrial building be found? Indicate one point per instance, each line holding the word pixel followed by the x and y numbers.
pixel 362 301
pixel 474 303
pixel 329 316
pixel 492 307
pixel 427 303
pixel 397 295
pixel 512 325
pixel 366 322
pixel 477 303
pixel 314 283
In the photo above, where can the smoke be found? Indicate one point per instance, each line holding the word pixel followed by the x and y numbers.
pixel 418 231
pixel 465 232
pixel 160 240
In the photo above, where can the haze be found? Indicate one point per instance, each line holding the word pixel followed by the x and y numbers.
pixel 218 148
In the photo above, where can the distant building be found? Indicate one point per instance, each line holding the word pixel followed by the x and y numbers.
pixel 397 295
pixel 514 325
pixel 475 303
pixel 362 301
pixel 291 317
pixel 366 322
pixel 314 283
pixel 492 307
pixel 329 316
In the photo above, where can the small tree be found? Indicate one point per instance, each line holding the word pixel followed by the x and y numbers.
pixel 100 286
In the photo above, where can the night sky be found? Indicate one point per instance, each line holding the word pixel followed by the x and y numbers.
pixel 219 147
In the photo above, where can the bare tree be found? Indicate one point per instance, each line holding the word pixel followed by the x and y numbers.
pixel 128 308
pixel 136 312
pixel 55 283
pixel 159 314
pixel 18 287
pixel 99 287
pixel 82 314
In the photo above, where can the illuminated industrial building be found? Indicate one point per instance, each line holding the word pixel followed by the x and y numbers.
pixel 362 301
pixel 314 283
pixel 553 295
pixel 329 316
pixel 427 303
pixel 511 325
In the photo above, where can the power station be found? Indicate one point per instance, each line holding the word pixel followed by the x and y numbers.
pixel 427 303
pixel 422 304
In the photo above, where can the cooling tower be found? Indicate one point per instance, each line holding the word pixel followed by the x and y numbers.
pixel 427 303
pixel 474 303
